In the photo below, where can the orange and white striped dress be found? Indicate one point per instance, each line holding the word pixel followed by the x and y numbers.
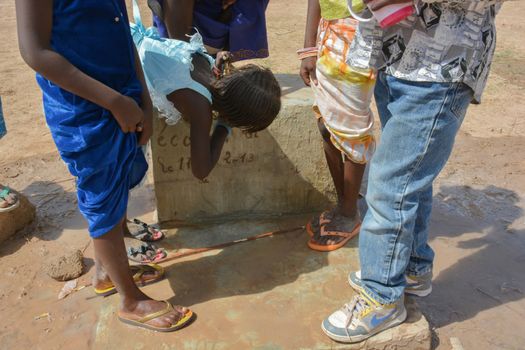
pixel 344 93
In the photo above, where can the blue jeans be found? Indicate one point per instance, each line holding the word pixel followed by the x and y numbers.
pixel 419 123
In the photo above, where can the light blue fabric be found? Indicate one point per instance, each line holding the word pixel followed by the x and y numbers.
pixel 3 129
pixel 94 36
pixel 419 124
pixel 167 65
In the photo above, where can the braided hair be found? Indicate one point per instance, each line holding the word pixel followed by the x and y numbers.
pixel 248 97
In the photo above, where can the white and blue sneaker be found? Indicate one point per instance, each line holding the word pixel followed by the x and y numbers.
pixel 362 318
pixel 420 286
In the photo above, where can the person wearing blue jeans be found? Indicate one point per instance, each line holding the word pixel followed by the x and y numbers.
pixel 429 72
pixel 416 141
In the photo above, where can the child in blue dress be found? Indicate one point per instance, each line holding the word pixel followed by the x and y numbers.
pixel 99 112
pixel 182 80
pixel 238 26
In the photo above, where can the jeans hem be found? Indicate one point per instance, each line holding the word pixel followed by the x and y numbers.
pixel 374 296
pixel 425 272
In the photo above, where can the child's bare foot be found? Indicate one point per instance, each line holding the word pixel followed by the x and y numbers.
pixel 101 279
pixel 142 275
pixel 335 233
pixel 156 315
pixel 136 308
pixel 313 227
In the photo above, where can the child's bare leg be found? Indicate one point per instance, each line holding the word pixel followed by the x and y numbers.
pixel 353 175
pixel 347 177
pixel 336 168
pixel 334 161
pixel 111 261
pixel 346 218
pixel 125 228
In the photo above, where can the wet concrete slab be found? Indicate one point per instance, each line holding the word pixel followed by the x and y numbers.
pixel 267 294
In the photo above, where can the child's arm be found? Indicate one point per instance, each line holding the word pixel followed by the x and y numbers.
pixel 307 70
pixel 178 18
pixel 205 150
pixel 34 24
pixel 147 106
pixel 223 61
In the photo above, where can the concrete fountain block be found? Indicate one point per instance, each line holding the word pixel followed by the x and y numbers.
pixel 275 172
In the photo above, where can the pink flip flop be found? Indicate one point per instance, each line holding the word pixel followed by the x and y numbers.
pixel 144 232
pixel 8 200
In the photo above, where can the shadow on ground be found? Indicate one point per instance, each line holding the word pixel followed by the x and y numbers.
pixel 57 212
pixel 484 223
pixel 290 83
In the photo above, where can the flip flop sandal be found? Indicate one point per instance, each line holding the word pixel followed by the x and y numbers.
pixel 141 322
pixel 139 272
pixel 313 226
pixel 144 232
pixel 8 204
pixel 146 254
pixel 330 247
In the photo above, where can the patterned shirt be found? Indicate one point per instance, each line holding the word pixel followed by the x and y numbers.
pixel 445 41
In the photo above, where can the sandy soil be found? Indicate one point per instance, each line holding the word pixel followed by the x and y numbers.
pixel 478 226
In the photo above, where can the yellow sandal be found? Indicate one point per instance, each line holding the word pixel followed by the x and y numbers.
pixel 141 322
pixel 138 276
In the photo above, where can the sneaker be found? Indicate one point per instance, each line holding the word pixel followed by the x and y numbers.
pixel 420 286
pixel 363 318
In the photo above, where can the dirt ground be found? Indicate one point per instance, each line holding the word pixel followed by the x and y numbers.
pixel 477 231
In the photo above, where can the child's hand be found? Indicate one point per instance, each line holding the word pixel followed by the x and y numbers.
pixel 307 70
pixel 227 3
pixel 127 113
pixel 222 59
pixel 147 126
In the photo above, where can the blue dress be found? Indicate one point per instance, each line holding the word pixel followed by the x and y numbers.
pixel 94 36
pixel 244 33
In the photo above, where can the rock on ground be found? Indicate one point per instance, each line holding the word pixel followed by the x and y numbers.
pixel 15 220
pixel 414 334
pixel 66 267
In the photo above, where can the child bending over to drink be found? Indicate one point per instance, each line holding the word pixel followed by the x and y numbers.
pixel 184 80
